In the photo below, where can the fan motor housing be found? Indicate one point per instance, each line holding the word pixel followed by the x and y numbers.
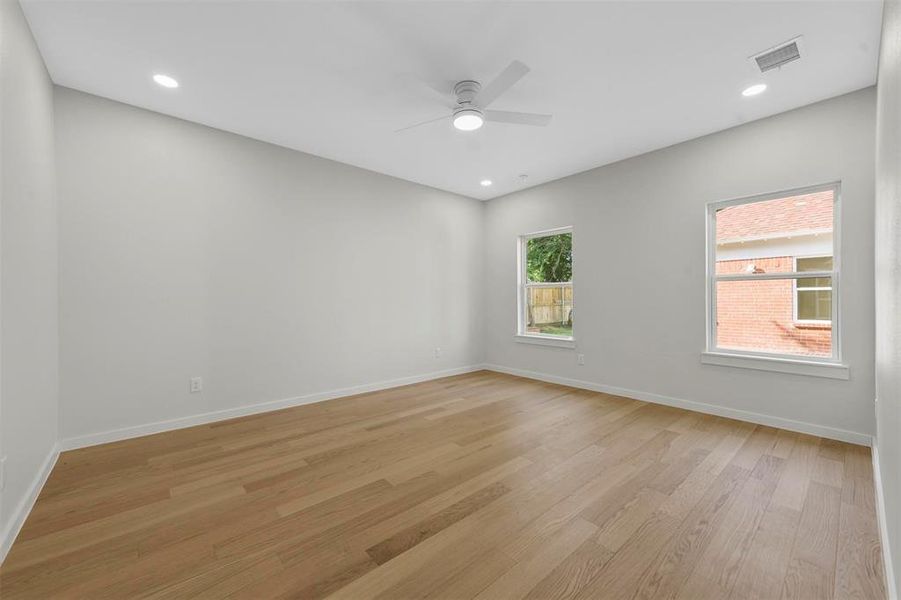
pixel 466 91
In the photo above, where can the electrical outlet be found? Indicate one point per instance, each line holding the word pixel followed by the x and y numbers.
pixel 580 358
pixel 196 384
pixel 2 473
pixel 437 352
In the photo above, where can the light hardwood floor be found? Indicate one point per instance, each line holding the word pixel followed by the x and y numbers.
pixel 477 486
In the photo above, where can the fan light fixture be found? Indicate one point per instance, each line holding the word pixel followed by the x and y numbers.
pixel 468 119
pixel 485 182
pixel 472 99
pixel 165 81
pixel 754 90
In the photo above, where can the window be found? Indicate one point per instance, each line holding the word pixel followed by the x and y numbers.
pixel 773 276
pixel 545 305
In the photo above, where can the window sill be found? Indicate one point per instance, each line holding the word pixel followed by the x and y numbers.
pixel 541 340
pixel 780 365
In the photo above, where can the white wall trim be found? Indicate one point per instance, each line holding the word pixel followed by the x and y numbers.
pixel 831 370
pixel 888 565
pixel 833 433
pixel 543 340
pixel 125 433
pixel 27 502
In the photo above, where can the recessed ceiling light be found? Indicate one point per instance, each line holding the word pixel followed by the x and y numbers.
pixel 485 182
pixel 755 89
pixel 165 81
pixel 468 119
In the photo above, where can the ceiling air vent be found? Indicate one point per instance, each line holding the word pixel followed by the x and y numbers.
pixel 778 56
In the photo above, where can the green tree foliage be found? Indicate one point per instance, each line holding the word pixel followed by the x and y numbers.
pixel 550 259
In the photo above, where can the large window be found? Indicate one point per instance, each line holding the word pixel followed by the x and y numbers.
pixel 773 275
pixel 545 305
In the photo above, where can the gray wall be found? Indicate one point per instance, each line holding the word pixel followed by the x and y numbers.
pixel 888 275
pixel 187 251
pixel 28 266
pixel 639 274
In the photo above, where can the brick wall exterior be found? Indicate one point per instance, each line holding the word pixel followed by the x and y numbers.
pixel 759 315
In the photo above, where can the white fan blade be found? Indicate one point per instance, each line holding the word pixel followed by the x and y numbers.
pixel 441 118
pixel 519 118
pixel 503 82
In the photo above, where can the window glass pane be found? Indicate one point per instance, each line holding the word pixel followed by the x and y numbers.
pixel 815 263
pixel 759 316
pixel 757 265
pixel 549 310
pixel 766 236
pixel 815 305
pixel 815 282
pixel 550 258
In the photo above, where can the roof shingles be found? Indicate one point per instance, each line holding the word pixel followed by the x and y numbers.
pixel 777 218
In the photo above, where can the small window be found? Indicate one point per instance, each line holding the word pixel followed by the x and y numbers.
pixel 773 275
pixel 546 285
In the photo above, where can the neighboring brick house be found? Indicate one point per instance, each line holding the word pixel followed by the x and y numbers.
pixel 769 237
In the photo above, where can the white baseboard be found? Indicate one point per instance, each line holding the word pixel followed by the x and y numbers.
pixel 22 510
pixel 116 435
pixel 833 433
pixel 891 590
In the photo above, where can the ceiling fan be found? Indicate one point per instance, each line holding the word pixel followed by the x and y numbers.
pixel 472 101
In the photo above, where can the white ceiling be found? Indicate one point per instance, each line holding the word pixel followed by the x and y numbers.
pixel 337 78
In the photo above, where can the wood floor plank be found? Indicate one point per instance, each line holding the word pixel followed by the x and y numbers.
pixel 716 571
pixel 811 567
pixel 479 485
pixel 680 502
pixel 619 577
pixel 792 489
pixel 762 572
pixel 568 578
pixel 859 567
pixel 406 539
pixel 534 566
pixel 399 472
pixel 667 573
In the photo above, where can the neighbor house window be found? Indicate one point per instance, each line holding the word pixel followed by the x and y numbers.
pixel 773 275
pixel 545 303
pixel 813 295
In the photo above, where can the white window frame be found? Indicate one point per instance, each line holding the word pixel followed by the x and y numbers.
pixel 796 289
pixel 522 285
pixel 831 366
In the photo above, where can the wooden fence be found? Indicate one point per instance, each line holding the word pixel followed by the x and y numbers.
pixel 550 304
